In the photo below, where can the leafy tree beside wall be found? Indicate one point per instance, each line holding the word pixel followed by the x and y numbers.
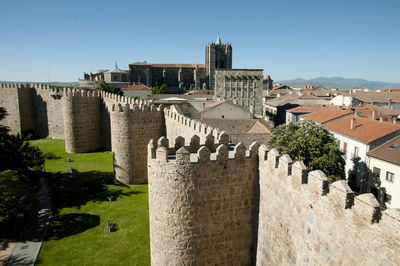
pixel 109 88
pixel 312 144
pixel 160 89
pixel 17 160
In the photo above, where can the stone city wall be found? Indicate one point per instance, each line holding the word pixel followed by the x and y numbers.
pixel 248 138
pixel 48 111
pixel 82 120
pixel 201 203
pixel 179 125
pixel 307 221
pixel 10 101
pixel 33 107
pixel 132 126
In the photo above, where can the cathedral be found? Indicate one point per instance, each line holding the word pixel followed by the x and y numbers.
pixel 240 86
pixel 185 76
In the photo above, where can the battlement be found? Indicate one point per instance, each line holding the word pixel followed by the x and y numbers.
pixel 330 217
pixel 135 107
pixel 316 187
pixel 194 153
pixel 73 92
pixel 178 124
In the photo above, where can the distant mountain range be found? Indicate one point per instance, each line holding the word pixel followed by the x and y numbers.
pixel 340 83
pixel 58 83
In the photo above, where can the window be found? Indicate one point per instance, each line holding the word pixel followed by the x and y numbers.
pixel 376 171
pixel 338 143
pixel 389 176
pixel 355 151
pixel 345 147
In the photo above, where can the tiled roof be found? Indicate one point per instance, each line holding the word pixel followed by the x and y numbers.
pixel 379 97
pixel 326 115
pixel 365 130
pixel 311 108
pixel 136 86
pixel 200 92
pixel 390 151
pixel 366 110
pixel 282 100
pixel 389 90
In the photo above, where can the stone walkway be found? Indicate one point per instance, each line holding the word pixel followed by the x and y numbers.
pixel 28 247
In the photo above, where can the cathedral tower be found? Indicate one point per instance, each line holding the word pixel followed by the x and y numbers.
pixel 218 56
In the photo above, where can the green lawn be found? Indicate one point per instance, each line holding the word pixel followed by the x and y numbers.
pixel 78 235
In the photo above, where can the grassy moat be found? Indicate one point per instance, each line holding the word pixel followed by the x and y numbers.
pixel 78 234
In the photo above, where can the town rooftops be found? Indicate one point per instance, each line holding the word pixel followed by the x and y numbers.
pixel 292 98
pixel 376 112
pixel 136 86
pixel 326 115
pixel 364 130
pixel 390 151
pixel 311 108
pixel 378 97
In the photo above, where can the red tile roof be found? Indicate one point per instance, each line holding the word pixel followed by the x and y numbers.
pixel 136 86
pixel 390 151
pixel 311 108
pixel 365 130
pixel 326 115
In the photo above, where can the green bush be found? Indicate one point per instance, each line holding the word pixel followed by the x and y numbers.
pixel 17 199
pixel 312 144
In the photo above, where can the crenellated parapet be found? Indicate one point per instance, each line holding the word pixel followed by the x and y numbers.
pixel 201 202
pixel 180 125
pixel 132 126
pixel 338 226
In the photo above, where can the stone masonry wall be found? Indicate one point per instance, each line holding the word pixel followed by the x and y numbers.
pixel 179 125
pixel 10 101
pixel 82 120
pixel 304 220
pixel 132 126
pixel 201 205
pixel 48 111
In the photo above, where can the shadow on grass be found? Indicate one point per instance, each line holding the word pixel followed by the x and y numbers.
pixel 71 224
pixel 76 189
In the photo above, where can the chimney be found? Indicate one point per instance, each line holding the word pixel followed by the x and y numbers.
pixel 390 103
pixel 372 101
pixel 352 123
pixel 394 120
pixel 373 115
pixel 380 119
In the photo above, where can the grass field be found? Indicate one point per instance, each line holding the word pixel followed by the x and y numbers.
pixel 78 235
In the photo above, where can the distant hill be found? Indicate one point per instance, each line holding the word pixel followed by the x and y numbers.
pixel 58 83
pixel 341 83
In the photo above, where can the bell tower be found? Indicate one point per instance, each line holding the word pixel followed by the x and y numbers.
pixel 218 56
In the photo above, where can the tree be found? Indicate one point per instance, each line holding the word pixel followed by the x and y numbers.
pixel 17 198
pixel 312 144
pixel 160 89
pixel 15 154
pixel 108 88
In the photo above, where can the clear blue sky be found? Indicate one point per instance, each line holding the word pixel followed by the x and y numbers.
pixel 54 40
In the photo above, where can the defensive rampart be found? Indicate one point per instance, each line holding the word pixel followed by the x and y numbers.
pixel 132 126
pixel 179 125
pixel 305 220
pixel 82 120
pixel 201 203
